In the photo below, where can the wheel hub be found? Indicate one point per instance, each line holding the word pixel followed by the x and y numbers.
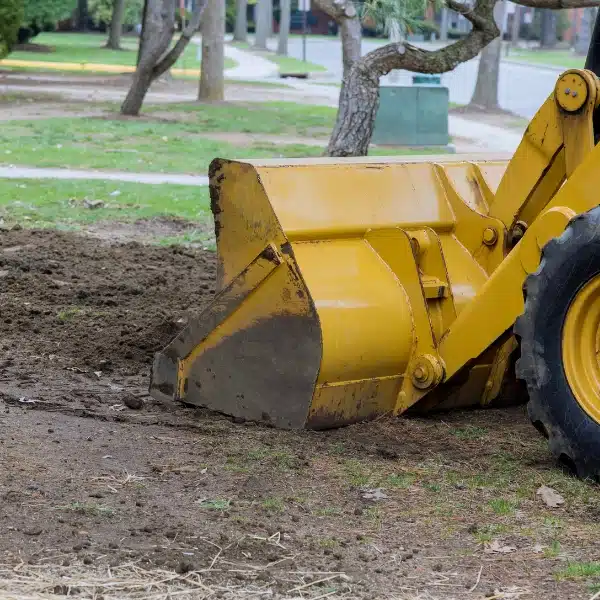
pixel 581 347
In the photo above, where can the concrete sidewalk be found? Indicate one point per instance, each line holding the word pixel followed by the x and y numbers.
pixel 16 172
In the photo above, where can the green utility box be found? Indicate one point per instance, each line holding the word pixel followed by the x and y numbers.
pixel 414 115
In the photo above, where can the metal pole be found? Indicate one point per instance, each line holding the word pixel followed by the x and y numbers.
pixel 304 13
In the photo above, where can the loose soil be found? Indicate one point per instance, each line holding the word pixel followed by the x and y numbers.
pixel 97 496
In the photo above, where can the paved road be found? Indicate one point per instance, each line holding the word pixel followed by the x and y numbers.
pixel 523 88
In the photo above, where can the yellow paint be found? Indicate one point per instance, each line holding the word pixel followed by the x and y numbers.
pixel 86 67
pixel 404 270
pixel 581 347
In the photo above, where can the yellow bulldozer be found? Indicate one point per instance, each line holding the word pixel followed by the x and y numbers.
pixel 354 288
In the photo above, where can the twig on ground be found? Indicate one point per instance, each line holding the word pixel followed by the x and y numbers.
pixel 478 579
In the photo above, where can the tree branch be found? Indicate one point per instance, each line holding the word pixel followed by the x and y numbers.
pixel 170 58
pixel 402 55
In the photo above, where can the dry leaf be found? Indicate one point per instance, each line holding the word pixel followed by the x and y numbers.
pixel 550 497
pixel 374 494
pixel 497 547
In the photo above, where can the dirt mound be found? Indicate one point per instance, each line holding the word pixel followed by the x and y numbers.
pixel 96 305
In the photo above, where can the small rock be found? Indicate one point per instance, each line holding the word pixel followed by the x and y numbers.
pixel 131 401
pixel 17 227
pixel 87 560
pixel 93 203
pixel 33 531
pixel 358 512
pixel 549 496
pixel 113 545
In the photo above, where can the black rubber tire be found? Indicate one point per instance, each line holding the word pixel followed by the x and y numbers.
pixel 568 262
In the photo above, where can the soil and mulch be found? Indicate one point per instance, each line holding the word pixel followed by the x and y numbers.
pixel 107 494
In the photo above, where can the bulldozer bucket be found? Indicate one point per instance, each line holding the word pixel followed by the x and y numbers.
pixel 313 324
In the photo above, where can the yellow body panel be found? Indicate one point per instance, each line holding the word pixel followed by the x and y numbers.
pixel 350 288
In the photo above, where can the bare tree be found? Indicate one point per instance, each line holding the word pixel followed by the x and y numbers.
pixel 156 58
pixel 240 31
pixel 212 82
pixel 116 25
pixel 548 29
pixel 516 26
pixel 359 96
pixel 284 26
pixel 261 17
pixel 582 41
pixel 485 96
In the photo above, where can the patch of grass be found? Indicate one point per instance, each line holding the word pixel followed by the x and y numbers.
pixel 432 486
pixel 89 509
pixel 555 58
pixel 338 448
pixel 356 473
pixel 69 313
pixel 579 570
pixel 402 481
pixel 142 146
pixel 288 64
pixel 488 532
pixel 327 511
pixel 273 504
pixel 501 506
pixel 328 542
pixel 217 504
pixel 87 48
pixel 553 550
pixel 62 204
pixel 470 432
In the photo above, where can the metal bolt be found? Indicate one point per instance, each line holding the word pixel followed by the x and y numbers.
pixel 420 374
pixel 567 91
pixel 574 94
pixel 490 236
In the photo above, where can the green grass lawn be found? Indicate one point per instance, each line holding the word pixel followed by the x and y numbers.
pixel 66 204
pixel 182 146
pixel 159 146
pixel 556 58
pixel 88 48
pixel 287 64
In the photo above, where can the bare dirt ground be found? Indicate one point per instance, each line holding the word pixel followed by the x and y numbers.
pixel 107 494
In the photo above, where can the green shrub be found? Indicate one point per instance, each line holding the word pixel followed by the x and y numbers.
pixel 101 12
pixel 11 17
pixel 43 15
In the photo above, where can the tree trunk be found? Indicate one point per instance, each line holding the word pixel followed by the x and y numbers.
pixel 269 21
pixel 516 26
pixel 444 24
pixel 212 84
pixel 82 14
pixel 359 96
pixel 240 33
pixel 344 13
pixel 155 56
pixel 116 25
pixel 261 15
pixel 582 41
pixel 548 29
pixel 284 26
pixel 485 96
